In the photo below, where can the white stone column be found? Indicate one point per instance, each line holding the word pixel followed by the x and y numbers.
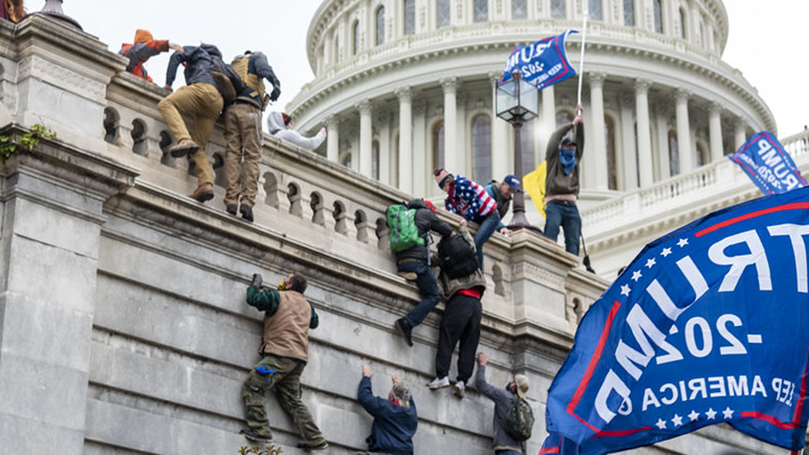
pixel 740 136
pixel 663 114
pixel 385 146
pixel 451 153
pixel 332 138
pixel 420 171
pixel 684 131
pixel 715 130
pixel 464 160
pixel 627 153
pixel 547 120
pixel 644 132
pixel 366 136
pixel 405 95
pixel 596 130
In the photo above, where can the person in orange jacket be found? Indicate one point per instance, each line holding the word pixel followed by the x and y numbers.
pixel 144 47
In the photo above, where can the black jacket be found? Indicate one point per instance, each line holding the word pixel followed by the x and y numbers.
pixel 426 221
pixel 197 64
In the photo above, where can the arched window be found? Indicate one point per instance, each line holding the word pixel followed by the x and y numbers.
pixel 519 9
pixel 380 26
pixel 442 13
pixel 702 154
pixel 375 160
pixel 356 35
pixel 346 159
pixel 594 7
pixel 409 17
pixel 704 36
pixel 395 160
pixel 658 14
pixel 481 148
pixel 438 145
pixel 674 154
pixel 526 148
pixel 558 9
pixel 683 24
pixel 481 10
pixel 629 13
pixel 336 50
pixel 612 161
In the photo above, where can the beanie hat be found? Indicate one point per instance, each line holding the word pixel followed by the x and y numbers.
pixel 286 118
pixel 402 394
pixel 441 175
pixel 142 36
pixel 522 383
pixel 429 205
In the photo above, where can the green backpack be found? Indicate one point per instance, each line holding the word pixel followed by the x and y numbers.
pixel 403 231
pixel 520 420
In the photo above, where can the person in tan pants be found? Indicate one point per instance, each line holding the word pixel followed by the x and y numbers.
pixel 200 100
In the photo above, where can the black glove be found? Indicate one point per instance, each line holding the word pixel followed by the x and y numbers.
pixel 257 280
pixel 276 92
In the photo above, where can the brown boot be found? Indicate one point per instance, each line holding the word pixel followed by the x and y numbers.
pixel 185 147
pixel 203 192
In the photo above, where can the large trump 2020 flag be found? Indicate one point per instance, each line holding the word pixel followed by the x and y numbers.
pixel 708 324
pixel 542 63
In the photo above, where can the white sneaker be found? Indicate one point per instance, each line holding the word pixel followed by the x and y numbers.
pixel 438 383
pixel 459 389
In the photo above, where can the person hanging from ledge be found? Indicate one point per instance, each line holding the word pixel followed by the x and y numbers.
pixel 563 156
pixel 199 99
pixel 280 125
pixel 470 200
pixel 243 135
pixel 12 10
pixel 288 316
pixel 462 285
pixel 395 418
pixel 143 48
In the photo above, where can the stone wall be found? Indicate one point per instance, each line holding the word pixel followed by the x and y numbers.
pixel 123 326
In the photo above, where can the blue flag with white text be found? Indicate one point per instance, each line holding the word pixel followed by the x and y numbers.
pixel 707 325
pixel 768 165
pixel 543 63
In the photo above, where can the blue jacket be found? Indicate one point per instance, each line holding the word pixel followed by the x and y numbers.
pixel 198 65
pixel 394 425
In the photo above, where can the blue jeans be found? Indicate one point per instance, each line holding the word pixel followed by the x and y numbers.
pixel 566 214
pixel 428 290
pixel 487 227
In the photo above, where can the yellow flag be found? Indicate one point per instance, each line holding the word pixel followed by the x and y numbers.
pixel 534 184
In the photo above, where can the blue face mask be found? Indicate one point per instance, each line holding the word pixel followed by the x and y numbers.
pixel 568 159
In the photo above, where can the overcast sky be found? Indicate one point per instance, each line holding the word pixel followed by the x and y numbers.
pixel 768 44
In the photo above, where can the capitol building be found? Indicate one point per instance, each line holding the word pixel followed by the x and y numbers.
pixel 406 86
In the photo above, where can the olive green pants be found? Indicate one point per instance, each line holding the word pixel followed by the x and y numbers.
pixel 243 141
pixel 286 380
pixel 201 102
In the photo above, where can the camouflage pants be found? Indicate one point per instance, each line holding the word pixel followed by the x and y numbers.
pixel 286 380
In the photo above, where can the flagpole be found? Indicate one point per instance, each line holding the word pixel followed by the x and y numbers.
pixel 581 60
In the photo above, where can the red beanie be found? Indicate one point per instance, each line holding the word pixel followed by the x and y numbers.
pixel 286 118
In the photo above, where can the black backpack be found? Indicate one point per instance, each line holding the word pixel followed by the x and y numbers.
pixel 458 258
pixel 227 80
pixel 520 420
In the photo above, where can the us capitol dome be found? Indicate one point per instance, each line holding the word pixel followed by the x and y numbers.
pixel 406 86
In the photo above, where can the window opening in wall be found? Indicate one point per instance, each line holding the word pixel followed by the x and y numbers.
pixel 409 17
pixel 481 12
pixel 375 160
pixel 702 155
pixel 674 154
pixel 336 50
pixel 629 13
pixel 438 145
pixel 637 154
pixel 346 161
pixel 482 148
pixel 612 162
pixel 558 9
pixel 356 30
pixel 443 13
pixel 111 120
pixel 139 144
pixel 526 148
pixel 395 159
pixel 682 23
pixel 519 9
pixel 380 26
pixel 658 15
pixel 595 10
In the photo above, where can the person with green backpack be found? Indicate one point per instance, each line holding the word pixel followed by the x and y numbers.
pixel 410 225
pixel 513 418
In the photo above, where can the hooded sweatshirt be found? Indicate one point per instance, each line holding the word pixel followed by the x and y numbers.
pixel 275 124
pixel 144 47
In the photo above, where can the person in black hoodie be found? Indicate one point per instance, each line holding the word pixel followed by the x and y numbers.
pixel 395 418
pixel 414 265
pixel 198 99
